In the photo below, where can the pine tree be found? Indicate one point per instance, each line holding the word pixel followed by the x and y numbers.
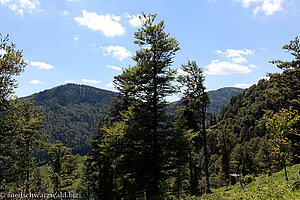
pixel 21 137
pixel 63 166
pixel 194 102
pixel 11 65
pixel 20 124
pixel 287 91
pixel 152 78
pixel 134 142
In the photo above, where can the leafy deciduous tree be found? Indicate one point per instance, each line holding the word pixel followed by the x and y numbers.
pixel 283 126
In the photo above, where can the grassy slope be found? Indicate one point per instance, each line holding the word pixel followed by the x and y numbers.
pixel 263 187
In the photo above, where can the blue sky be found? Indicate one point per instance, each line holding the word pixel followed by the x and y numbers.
pixel 89 41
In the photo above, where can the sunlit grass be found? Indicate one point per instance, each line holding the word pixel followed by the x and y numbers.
pixel 263 187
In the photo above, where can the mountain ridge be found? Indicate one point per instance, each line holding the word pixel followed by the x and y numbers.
pixel 72 111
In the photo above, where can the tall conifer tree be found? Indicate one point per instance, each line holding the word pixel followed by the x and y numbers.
pixel 195 101
pixel 143 89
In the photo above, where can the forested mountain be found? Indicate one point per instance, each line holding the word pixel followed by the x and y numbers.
pixel 140 148
pixel 72 111
pixel 242 140
pixel 220 98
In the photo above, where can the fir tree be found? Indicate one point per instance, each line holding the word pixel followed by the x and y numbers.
pixel 195 101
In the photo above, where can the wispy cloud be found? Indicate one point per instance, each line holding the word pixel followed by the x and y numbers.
pixel 36 82
pixel 108 24
pixel 114 67
pixel 111 85
pixel 134 20
pixel 70 81
pixel 181 72
pixel 90 81
pixel 19 6
pixel 41 65
pixel 232 64
pixel 217 67
pixel 247 85
pixel 242 85
pixel 236 54
pixel 117 52
pixel 265 77
pixel 66 12
pixel 269 7
pixel 76 38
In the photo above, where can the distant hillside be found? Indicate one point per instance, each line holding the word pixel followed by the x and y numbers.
pixel 72 111
pixel 221 97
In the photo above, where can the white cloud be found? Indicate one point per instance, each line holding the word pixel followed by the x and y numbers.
pixel 147 47
pixel 70 81
pixel 93 45
pixel 181 72
pixel 114 67
pixel 265 77
pixel 90 81
pixel 117 52
pixel 111 84
pixel 239 59
pixel 41 65
pixel 20 6
pixel 217 67
pixel 269 7
pixel 242 85
pixel 108 24
pixel 255 11
pixel 2 51
pixel 36 82
pixel 66 12
pixel 76 38
pixel 247 85
pixel 252 66
pixel 236 54
pixel 116 18
pixel 134 20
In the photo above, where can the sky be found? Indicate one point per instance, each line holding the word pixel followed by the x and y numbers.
pixel 90 41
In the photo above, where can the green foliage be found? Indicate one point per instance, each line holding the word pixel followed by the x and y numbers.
pixel 248 179
pixel 148 131
pixel 287 91
pixel 11 65
pixel 100 169
pixel 244 145
pixel 20 138
pixel 220 98
pixel 284 126
pixel 72 113
pixel 294 49
pixel 134 140
pixel 20 126
pixel 63 166
pixel 263 187
pixel 192 117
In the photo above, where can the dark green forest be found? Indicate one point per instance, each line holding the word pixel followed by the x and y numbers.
pixel 134 147
pixel 72 111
